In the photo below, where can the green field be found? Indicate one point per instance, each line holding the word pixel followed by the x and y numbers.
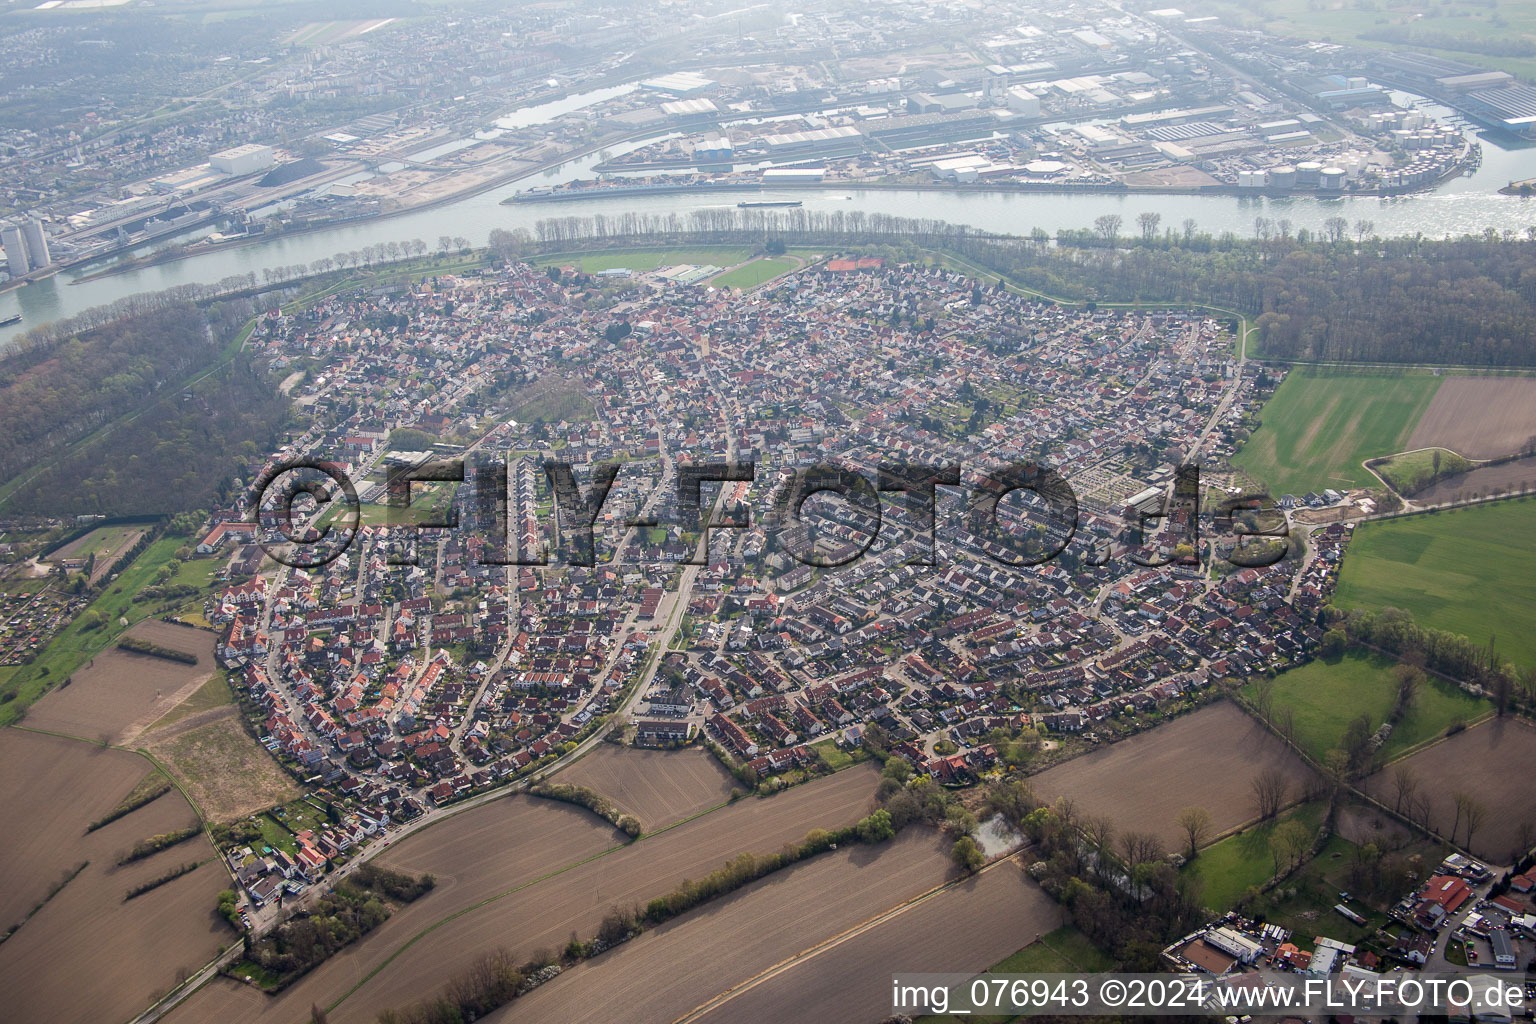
pixel 1408 474
pixel 1309 913
pixel 1470 571
pixel 833 756
pixel 1325 695
pixel 646 259
pixel 752 274
pixel 1064 951
pixel 98 542
pixel 76 644
pixel 1228 868
pixel 1320 425
pixel 1436 24
pixel 554 406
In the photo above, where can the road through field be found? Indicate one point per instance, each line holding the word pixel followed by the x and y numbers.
pixel 545 915
pixel 966 928
pixel 474 856
pixel 118 694
pixel 541 869
pixel 732 939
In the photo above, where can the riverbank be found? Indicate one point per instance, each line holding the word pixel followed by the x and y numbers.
pixel 196 249
pixel 1468 205
pixel 1220 189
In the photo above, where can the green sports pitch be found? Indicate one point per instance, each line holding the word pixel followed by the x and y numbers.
pixel 1470 571
pixel 1322 424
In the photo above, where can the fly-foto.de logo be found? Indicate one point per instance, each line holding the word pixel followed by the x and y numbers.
pixel 309 513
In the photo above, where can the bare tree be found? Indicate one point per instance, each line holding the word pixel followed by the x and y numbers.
pixel 1108 227
pixel 1137 848
pixel 1525 838
pixel 1189 229
pixel 1285 721
pixel 1264 698
pixel 1460 800
pixel 1269 791
pixel 1405 784
pixel 1334 228
pixel 1195 822
pixel 1149 222
pixel 1477 814
pixel 1100 834
pixel 1422 809
pixel 1363 227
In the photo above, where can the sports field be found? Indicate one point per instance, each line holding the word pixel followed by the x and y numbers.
pixel 647 259
pixel 750 275
pixel 1470 571
pixel 1325 695
pixel 1321 424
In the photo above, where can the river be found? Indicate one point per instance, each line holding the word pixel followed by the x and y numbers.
pixel 1464 204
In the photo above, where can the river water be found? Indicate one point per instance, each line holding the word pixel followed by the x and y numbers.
pixel 1465 204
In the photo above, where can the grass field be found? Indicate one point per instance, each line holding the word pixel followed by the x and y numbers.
pixel 647 259
pixel 1325 695
pixel 1317 885
pixel 752 274
pixel 1408 474
pixel 1454 29
pixel 1320 425
pixel 105 542
pixel 215 693
pixel 554 406
pixel 1470 571
pixel 76 644
pixel 1064 951
pixel 227 772
pixel 832 755
pixel 1227 869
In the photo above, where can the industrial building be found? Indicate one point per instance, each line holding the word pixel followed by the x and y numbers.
pixel 1023 102
pixel 679 83
pixel 713 149
pixel 793 175
pixel 37 243
pixel 15 249
pixel 247 159
pixel 689 108
pixel 26 246
pixel 840 138
pixel 1513 107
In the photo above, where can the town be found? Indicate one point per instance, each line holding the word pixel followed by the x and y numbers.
pixel 404 688
pixel 332 122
